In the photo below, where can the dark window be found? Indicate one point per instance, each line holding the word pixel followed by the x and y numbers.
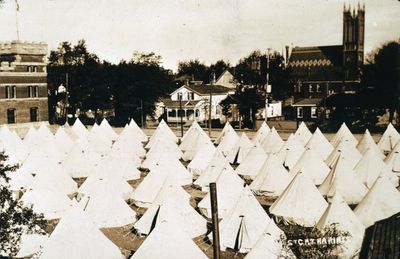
pixel 11 92
pixel 33 91
pixel 11 115
pixel 34 114
pixel 8 92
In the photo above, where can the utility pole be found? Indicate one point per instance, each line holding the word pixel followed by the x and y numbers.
pixel 66 97
pixel 267 87
pixel 215 227
pixel 209 112
pixel 141 113
pixel 180 112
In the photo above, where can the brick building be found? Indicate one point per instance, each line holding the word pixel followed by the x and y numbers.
pixel 23 82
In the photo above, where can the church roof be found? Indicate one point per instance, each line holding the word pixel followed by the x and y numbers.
pixel 316 56
pixel 318 64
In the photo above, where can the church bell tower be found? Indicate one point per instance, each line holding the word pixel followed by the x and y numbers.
pixel 353 41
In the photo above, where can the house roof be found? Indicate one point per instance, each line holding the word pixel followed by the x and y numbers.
pixel 308 102
pixel 205 89
pixel 175 104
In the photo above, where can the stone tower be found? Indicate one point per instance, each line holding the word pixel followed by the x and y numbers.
pixel 353 41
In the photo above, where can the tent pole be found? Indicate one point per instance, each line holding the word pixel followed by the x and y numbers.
pixel 214 211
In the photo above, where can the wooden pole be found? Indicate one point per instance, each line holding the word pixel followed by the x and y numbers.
pixel 214 212
pixel 181 115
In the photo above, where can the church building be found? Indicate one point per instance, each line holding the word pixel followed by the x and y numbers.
pixel 320 71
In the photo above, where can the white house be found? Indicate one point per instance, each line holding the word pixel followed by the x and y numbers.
pixel 195 102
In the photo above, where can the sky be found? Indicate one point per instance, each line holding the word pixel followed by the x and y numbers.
pixel 178 30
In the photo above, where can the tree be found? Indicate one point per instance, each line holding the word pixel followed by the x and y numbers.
pixel 386 70
pixel 194 70
pixel 15 219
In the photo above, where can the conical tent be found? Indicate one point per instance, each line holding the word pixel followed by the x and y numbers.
pixel 269 245
pixel 76 236
pixel 240 150
pixel 213 170
pixel 370 167
pixel 261 133
pixel 347 152
pixel 79 129
pixel 54 178
pixel 163 132
pixel 393 160
pixel 382 201
pixel 108 130
pixel 81 160
pixel 99 141
pixel 367 142
pixel 147 191
pixel 253 162
pixel 129 142
pixel 63 141
pixel 167 206
pixel 228 140
pixel 123 166
pixel 343 134
pixel 169 241
pixel 159 148
pixel 199 140
pixel 300 203
pixel 291 152
pixel 107 209
pixel 52 204
pixel 389 139
pixel 272 143
pixel 13 146
pixel 319 144
pixel 201 160
pixel 195 131
pixel 303 134
pixel 224 131
pixel 30 244
pixel 143 137
pixel 339 216
pixel 102 178
pixel 244 224
pixel 272 179
pixel 311 165
pixel 342 179
pixel 229 188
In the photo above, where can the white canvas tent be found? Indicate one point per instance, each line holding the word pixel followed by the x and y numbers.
pixel 228 141
pixel 108 130
pixel 253 162
pixel 347 151
pixel 107 209
pixel 343 134
pixel 300 203
pixel 225 130
pixel 303 134
pixel 290 152
pixel 261 133
pixel 270 244
pixel 79 129
pixel 272 143
pixel 367 142
pixel 320 144
pixel 272 179
pixel 167 206
pixel 77 237
pixel 168 241
pixel 382 201
pixel 197 142
pixel 164 133
pixel 311 165
pixel 370 167
pixel 240 150
pixel 229 188
pixel 143 137
pixel 201 160
pixel 339 216
pixel 342 179
pixel 244 223
pixel 389 139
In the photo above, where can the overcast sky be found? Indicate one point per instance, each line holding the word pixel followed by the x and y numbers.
pixel 186 29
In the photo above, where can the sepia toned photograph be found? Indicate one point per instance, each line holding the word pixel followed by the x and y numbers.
pixel 189 129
